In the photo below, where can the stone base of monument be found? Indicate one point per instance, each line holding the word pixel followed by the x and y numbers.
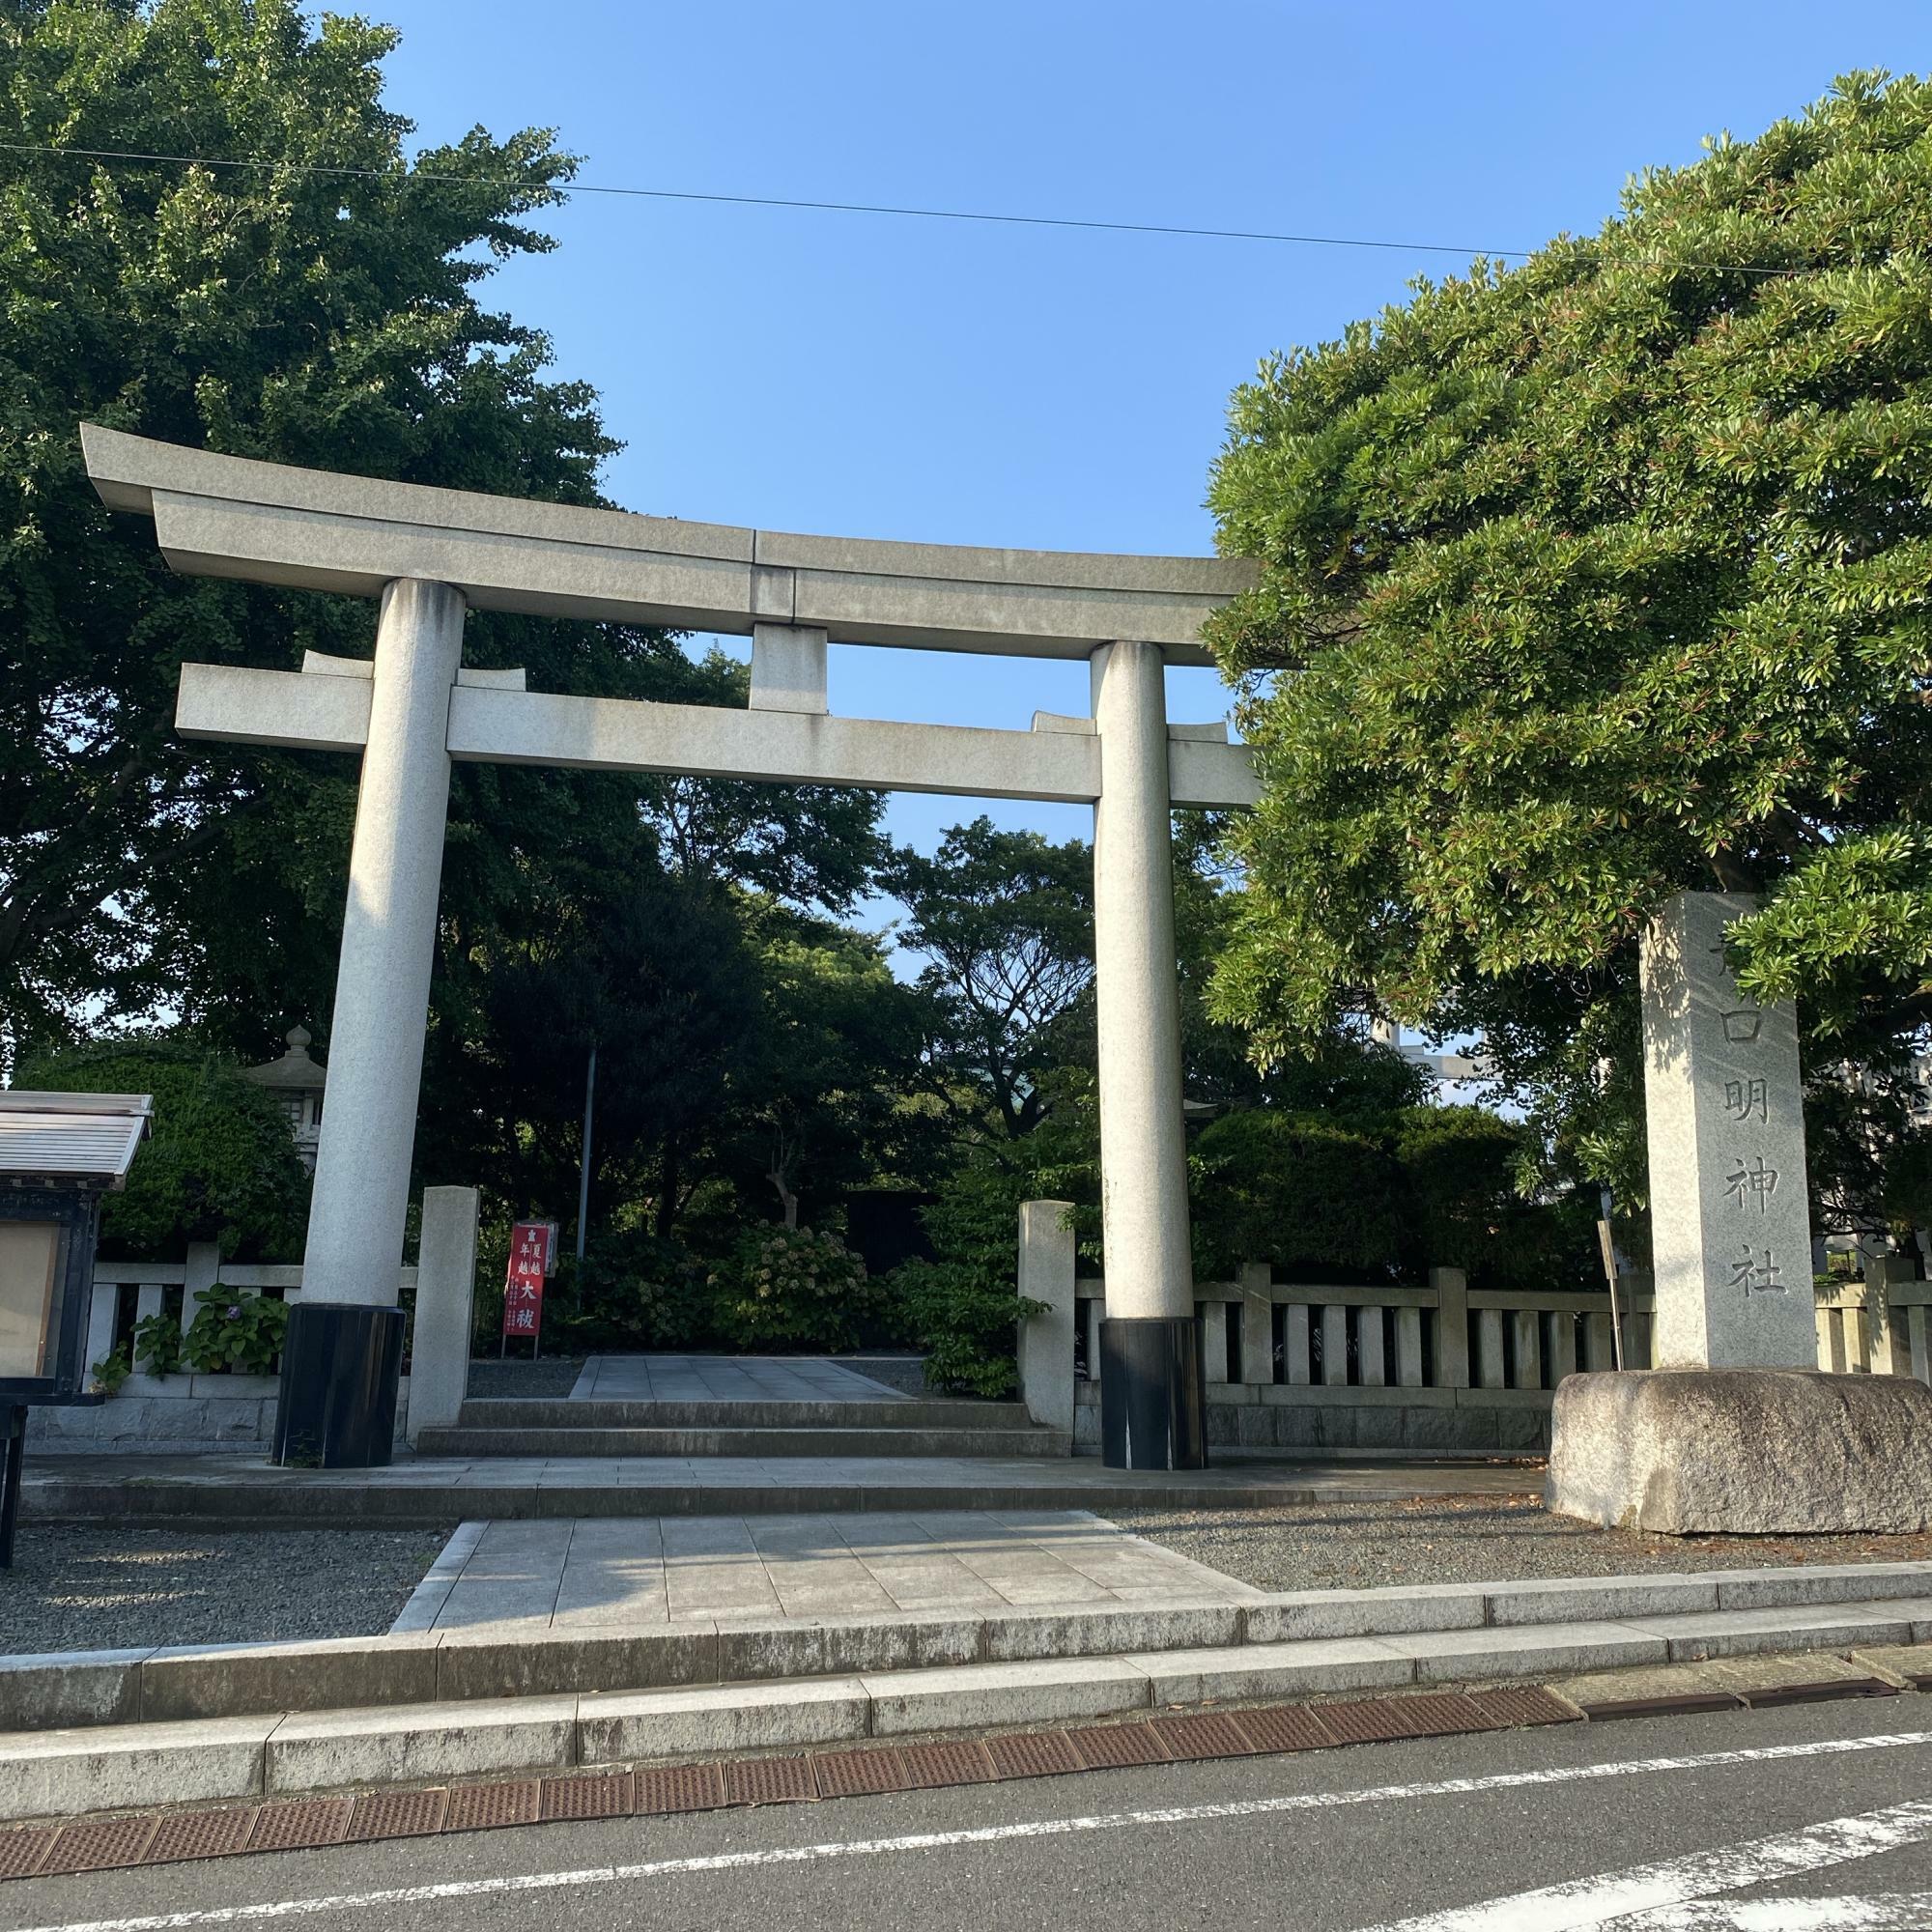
pixel 1752 1452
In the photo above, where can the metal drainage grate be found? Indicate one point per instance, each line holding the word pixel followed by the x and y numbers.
pixel 928 1765
pixel 1116 1747
pixel 1286 1727
pixel 21 1851
pixel 589 1794
pixel 1209 1734
pixel 201 1835
pixel 858 1774
pixel 1032 1754
pixel 398 1814
pixel 107 1841
pixel 1522 1704
pixel 679 1787
pixel 767 1781
pixel 478 1808
pixel 296 1824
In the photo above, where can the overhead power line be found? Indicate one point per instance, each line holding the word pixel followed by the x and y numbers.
pixel 569 188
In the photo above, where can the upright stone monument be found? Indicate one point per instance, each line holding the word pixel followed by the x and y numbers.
pixel 1734 1429
pixel 1724 1109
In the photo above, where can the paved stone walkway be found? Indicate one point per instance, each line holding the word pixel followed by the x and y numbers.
pixel 725 1378
pixel 637 1572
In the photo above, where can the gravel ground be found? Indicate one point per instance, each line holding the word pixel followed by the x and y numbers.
pixel 526 1380
pixel 1466 1539
pixel 89 1586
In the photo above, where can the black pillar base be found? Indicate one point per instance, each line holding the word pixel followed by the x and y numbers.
pixel 1154 1395
pixel 341 1365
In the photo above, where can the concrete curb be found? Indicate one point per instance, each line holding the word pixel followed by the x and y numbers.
pixel 241 1496
pixel 1699 1614
pixel 62 1773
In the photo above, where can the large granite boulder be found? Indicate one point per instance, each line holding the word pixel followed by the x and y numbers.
pixel 1744 1451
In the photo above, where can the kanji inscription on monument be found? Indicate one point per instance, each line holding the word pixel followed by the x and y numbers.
pixel 1730 1223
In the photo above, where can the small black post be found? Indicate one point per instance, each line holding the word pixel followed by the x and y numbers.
pixel 14 1450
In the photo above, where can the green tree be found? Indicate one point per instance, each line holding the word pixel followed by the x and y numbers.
pixel 219 1165
pixel 824 1098
pixel 262 310
pixel 1594 578
pixel 1006 919
pixel 285 311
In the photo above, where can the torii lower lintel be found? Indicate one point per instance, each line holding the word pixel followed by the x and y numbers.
pixel 492 724
pixel 430 554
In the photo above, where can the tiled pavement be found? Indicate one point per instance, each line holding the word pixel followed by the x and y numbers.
pixel 638 1572
pixel 725 1378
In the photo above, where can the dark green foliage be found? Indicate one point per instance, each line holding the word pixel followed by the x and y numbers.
pixel 1462 1170
pixel 314 318
pixel 1318 1201
pixel 964 1307
pixel 1594 578
pixel 633 1289
pixel 966 1322
pixel 792 1288
pixel 1007 920
pixel 157 1344
pixel 219 1166
pixel 234 1334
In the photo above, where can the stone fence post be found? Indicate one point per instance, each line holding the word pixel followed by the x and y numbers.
pixel 1452 1328
pixel 1257 1306
pixel 1047 1273
pixel 1888 1351
pixel 202 1271
pixel 445 1283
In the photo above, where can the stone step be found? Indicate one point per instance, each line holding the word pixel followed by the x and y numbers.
pixel 468 1440
pixel 913 1414
pixel 63 1773
pixel 1688 1617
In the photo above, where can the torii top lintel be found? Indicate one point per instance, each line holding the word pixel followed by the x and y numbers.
pixel 231 516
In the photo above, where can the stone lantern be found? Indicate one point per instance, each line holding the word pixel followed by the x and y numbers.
pixel 296 1082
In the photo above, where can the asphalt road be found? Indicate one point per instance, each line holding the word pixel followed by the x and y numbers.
pixel 1754 1819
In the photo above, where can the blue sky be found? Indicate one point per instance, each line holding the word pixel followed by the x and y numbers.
pixel 952 383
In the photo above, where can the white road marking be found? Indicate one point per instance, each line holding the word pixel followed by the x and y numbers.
pixel 1627 1898
pixel 1883 1912
pixel 986 1834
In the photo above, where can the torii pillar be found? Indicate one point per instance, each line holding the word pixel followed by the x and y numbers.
pixel 1152 1401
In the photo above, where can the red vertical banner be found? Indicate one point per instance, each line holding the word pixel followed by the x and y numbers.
pixel 524 1286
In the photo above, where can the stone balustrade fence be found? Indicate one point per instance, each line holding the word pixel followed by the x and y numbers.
pixel 1425 1367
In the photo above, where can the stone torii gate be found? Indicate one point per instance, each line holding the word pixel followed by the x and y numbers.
pixel 431 554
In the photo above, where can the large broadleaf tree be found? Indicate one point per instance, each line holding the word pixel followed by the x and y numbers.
pixel 1593 577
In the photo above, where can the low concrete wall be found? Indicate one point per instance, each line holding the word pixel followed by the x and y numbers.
pixel 173 1415
pixel 1425 1420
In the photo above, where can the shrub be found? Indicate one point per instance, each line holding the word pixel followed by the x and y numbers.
pixel 111 1372
pixel 792 1288
pixel 1462 1169
pixel 220 1164
pixel 965 1319
pixel 158 1344
pixel 236 1334
pixel 1293 1190
pixel 632 1290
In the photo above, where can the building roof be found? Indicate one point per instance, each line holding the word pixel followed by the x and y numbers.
pixel 70 1139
